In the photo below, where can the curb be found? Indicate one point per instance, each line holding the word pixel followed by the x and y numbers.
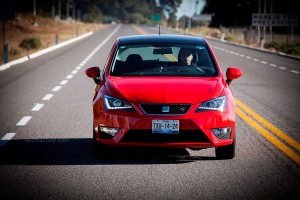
pixel 42 52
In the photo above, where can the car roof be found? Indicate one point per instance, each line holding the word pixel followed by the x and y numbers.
pixel 141 39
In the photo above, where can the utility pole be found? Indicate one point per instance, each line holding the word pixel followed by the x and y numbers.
pixel 59 9
pixel 190 17
pixel 67 10
pixel 53 10
pixel 34 13
pixel 73 11
pixel 258 27
pixel 265 11
pixel 6 13
pixel 5 44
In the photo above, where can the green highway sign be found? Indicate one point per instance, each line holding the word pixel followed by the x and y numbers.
pixel 156 17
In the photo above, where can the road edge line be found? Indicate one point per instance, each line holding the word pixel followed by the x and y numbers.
pixel 43 51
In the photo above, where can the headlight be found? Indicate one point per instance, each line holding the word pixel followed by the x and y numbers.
pixel 214 104
pixel 112 103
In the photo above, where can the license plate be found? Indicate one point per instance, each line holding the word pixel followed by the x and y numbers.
pixel 165 126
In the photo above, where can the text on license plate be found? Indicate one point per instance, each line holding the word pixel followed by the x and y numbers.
pixel 165 126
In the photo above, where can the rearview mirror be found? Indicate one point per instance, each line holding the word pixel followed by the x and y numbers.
pixel 233 73
pixel 94 73
pixel 163 51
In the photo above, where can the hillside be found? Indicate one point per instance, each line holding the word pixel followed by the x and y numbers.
pixel 45 31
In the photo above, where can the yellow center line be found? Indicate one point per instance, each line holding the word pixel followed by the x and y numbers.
pixel 139 29
pixel 268 125
pixel 290 153
pixel 170 57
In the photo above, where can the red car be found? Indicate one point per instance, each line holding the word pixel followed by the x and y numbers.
pixel 164 91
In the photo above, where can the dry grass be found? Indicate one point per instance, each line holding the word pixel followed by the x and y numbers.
pixel 46 30
pixel 249 38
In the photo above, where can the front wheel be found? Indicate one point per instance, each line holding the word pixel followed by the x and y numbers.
pixel 226 152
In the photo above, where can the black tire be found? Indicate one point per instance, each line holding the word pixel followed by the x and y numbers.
pixel 226 152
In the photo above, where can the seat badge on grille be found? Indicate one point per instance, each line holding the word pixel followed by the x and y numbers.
pixel 166 109
pixel 182 109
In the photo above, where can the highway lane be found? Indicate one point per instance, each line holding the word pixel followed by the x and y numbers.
pixel 269 86
pixel 50 157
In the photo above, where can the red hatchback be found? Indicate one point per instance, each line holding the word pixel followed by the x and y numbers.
pixel 164 91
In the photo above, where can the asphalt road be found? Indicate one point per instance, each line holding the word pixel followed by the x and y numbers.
pixel 46 131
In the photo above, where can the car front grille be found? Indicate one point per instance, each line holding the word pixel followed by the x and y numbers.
pixel 165 109
pixel 148 136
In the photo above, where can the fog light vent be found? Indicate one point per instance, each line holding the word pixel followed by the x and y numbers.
pixel 222 133
pixel 107 133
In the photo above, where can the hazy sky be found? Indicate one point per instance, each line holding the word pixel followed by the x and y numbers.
pixel 188 7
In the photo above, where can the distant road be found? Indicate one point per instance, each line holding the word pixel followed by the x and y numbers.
pixel 46 131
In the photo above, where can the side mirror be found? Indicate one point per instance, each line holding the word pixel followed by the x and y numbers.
pixel 233 73
pixel 94 73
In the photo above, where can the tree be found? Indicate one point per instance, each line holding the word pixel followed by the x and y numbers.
pixel 93 14
pixel 170 6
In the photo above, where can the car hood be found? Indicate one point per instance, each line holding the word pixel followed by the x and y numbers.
pixel 189 90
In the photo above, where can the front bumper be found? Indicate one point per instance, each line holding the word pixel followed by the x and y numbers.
pixel 135 129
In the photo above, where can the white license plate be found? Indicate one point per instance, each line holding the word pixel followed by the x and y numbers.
pixel 165 126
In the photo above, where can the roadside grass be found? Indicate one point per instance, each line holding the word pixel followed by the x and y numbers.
pixel 46 31
pixel 277 45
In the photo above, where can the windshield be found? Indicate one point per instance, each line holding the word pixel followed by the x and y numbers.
pixel 162 60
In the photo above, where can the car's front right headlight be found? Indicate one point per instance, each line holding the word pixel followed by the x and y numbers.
pixel 218 104
pixel 112 103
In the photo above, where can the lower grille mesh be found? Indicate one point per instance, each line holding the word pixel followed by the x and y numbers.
pixel 148 136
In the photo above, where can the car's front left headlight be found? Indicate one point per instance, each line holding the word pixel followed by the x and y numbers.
pixel 112 103
pixel 218 104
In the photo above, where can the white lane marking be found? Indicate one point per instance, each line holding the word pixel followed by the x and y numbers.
pixel 37 107
pixel 74 72
pixel 47 97
pixel 6 138
pixel 24 121
pixel 69 76
pixel 255 59
pixel 295 72
pixel 63 82
pixel 56 88
pixel 78 68
pixel 263 62
pixel 104 41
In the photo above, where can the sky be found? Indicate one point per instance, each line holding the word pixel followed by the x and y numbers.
pixel 188 7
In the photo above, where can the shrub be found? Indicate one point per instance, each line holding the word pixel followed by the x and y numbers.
pixel 14 52
pixel 230 38
pixel 31 43
pixel 293 49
